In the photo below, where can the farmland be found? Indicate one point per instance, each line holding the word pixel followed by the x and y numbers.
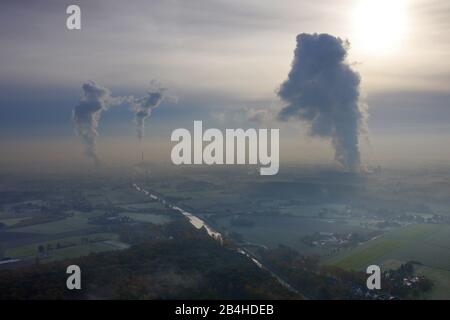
pixel 425 244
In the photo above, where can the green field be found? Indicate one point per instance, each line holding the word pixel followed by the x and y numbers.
pixel 424 243
pixel 288 230
pixel 413 242
pixel 311 210
pixel 142 206
pixel 441 280
pixel 69 247
pixel 76 223
pixel 365 255
pixel 147 217
pixel 11 221
pixel 81 250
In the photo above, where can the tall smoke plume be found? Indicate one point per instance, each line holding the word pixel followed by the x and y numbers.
pixel 87 113
pixel 323 90
pixel 143 107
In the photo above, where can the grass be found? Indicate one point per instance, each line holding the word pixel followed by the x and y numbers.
pixel 147 217
pixel 441 280
pixel 75 246
pixel 142 206
pixel 78 222
pixel 11 221
pixel 425 243
pixel 80 250
pixel 311 210
pixel 391 264
pixel 364 255
pixel 407 243
pixel 274 230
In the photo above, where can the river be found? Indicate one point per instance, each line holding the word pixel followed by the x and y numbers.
pixel 198 223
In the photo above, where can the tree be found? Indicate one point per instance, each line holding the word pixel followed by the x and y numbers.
pixel 41 249
pixel 425 284
pixel 2 251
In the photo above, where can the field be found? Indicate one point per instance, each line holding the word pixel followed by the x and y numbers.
pixel 11 221
pixel 73 235
pixel 67 247
pixel 310 210
pixel 147 217
pixel 79 222
pixel 287 230
pixel 142 206
pixel 441 279
pixel 424 243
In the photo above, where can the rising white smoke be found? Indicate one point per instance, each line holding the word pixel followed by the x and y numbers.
pixel 87 114
pixel 323 90
pixel 143 107
pixel 97 99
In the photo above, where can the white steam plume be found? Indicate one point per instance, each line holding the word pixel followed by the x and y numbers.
pixel 323 90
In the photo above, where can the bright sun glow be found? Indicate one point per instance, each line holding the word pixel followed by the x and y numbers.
pixel 380 25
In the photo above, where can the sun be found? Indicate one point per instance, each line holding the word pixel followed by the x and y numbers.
pixel 379 25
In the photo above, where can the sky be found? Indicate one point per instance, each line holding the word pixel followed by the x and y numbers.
pixel 220 60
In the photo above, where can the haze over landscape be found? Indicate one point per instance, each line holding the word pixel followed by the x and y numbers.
pixel 359 90
pixel 234 66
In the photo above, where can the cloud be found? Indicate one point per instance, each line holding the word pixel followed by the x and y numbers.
pixel 322 89
pixel 87 114
pixel 97 99
pixel 245 116
pixel 143 107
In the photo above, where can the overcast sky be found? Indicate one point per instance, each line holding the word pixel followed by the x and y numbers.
pixel 217 56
